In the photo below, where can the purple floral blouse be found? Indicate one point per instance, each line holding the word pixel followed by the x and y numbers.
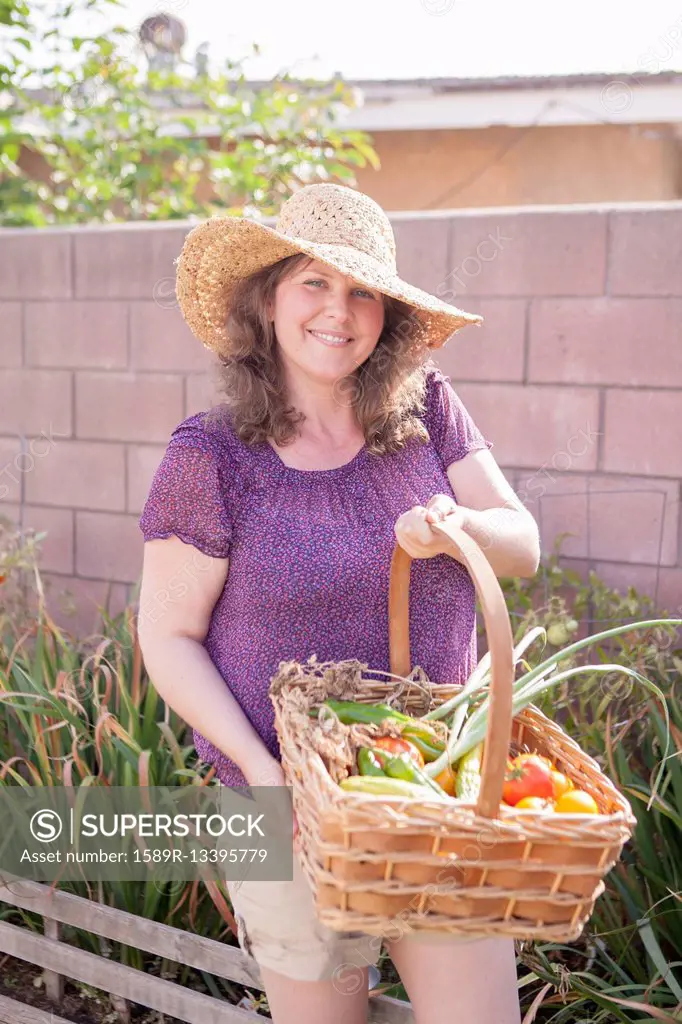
pixel 310 554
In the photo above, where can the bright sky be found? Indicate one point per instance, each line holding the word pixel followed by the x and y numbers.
pixel 429 38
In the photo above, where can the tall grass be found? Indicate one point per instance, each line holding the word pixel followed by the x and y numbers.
pixel 84 713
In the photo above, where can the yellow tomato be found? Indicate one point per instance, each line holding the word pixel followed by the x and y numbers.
pixel 533 803
pixel 576 801
pixel 446 780
pixel 560 784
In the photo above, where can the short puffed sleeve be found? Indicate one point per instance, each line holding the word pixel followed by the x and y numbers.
pixel 187 497
pixel 451 428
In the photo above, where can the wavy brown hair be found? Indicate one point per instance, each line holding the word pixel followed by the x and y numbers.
pixel 387 391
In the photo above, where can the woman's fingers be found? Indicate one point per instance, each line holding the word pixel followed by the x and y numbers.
pixel 414 534
pixel 439 506
pixel 412 525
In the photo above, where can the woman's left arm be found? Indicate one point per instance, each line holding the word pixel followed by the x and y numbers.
pixel 494 516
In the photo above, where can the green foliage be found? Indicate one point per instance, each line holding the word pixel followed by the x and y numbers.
pixel 632 948
pixel 118 144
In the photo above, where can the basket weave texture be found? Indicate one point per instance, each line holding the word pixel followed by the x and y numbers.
pixel 387 866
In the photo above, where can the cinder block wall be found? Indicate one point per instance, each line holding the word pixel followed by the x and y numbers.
pixel 576 376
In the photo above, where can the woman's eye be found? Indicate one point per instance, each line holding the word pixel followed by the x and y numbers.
pixel 363 291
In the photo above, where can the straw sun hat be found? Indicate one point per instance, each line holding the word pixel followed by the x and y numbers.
pixel 332 223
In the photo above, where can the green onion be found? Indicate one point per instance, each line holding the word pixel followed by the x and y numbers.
pixel 530 686
pixel 479 677
pixel 476 726
pixel 461 702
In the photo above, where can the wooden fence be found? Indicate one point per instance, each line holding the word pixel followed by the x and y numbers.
pixel 59 960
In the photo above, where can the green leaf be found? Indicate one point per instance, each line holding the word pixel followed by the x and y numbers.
pixel 654 950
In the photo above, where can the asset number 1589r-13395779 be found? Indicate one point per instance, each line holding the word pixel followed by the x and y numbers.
pixel 231 856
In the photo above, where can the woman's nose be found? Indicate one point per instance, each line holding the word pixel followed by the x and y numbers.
pixel 338 306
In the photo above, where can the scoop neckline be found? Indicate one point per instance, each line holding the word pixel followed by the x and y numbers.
pixel 337 471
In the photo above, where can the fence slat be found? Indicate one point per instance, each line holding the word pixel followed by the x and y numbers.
pixel 162 940
pixel 12 1012
pixel 155 993
pixel 120 926
pixel 122 1007
pixel 54 983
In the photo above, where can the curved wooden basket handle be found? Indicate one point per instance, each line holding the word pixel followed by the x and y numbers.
pixel 500 645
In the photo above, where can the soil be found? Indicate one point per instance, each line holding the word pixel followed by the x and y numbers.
pixel 21 981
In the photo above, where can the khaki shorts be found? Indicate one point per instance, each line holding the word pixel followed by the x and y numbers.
pixel 278 927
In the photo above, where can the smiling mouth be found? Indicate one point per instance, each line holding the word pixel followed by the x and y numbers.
pixel 332 340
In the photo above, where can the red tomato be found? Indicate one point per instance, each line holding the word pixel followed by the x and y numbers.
pixel 399 748
pixel 533 757
pixel 527 775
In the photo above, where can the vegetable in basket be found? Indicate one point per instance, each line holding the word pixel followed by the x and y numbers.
pixel 576 801
pixel 379 762
pixel 429 748
pixel 528 775
pixel 447 780
pixel 469 775
pixel 535 783
pixel 404 768
pixel 418 732
pixel 352 712
pixel 533 803
pixel 399 747
pixel 375 786
pixel 369 764
pixel 560 783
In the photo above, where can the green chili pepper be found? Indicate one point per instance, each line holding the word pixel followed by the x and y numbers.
pixel 369 764
pixel 407 770
pixel 351 712
pixel 430 747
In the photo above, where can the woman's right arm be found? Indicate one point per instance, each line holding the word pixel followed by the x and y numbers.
pixel 171 631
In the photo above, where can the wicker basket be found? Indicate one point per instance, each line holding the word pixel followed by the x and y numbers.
pixel 385 866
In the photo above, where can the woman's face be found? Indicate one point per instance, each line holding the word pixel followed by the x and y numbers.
pixel 326 324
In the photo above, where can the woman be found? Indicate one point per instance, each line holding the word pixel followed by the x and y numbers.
pixel 279 511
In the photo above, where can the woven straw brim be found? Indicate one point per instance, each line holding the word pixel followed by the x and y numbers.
pixel 220 252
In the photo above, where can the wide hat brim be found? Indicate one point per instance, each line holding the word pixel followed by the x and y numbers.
pixel 220 252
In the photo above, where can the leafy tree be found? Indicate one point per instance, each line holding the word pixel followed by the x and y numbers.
pixel 91 135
